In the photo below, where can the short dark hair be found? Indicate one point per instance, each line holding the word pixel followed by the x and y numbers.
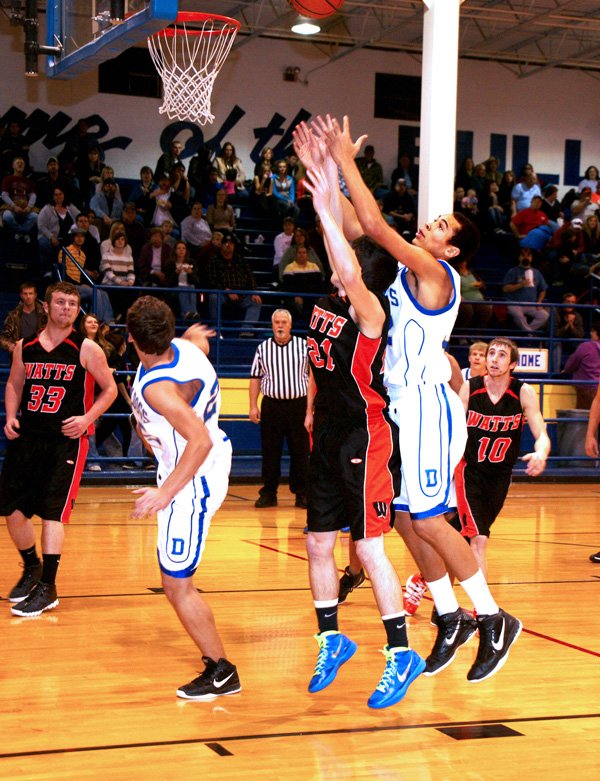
pixel 61 287
pixel 466 239
pixel 151 324
pixel 379 268
pixel 27 286
pixel 505 342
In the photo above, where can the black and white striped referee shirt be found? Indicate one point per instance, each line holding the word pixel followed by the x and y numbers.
pixel 281 368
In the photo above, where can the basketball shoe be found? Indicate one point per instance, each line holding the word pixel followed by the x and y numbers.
pixel 334 649
pixel 348 582
pixel 496 635
pixel 415 588
pixel 42 597
pixel 219 678
pixel 28 580
pixel 595 557
pixel 454 630
pixel 402 666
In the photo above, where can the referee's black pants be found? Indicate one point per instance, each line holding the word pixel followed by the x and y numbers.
pixel 283 419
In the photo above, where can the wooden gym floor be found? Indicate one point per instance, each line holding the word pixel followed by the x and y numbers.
pixel 87 691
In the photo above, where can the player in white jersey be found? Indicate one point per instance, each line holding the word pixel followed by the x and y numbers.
pixel 176 400
pixel 424 302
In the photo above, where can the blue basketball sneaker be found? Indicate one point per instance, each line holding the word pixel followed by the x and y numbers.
pixel 334 649
pixel 401 669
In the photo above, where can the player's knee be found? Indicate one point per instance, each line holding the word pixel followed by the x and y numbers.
pixel 319 545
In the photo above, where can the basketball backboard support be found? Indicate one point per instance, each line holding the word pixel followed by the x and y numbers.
pixel 89 33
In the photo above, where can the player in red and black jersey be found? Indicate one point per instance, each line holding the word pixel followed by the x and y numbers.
pixel 497 406
pixel 50 410
pixel 354 463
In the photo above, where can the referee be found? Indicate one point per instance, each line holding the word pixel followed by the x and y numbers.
pixel 280 372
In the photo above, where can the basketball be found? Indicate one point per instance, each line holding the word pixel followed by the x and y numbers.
pixel 316 9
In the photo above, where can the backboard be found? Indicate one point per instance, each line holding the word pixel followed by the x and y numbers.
pixel 90 31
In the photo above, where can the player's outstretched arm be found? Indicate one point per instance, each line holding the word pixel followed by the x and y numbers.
pixel 536 461
pixel 343 149
pixel 343 260
pixel 591 437
pixel 199 334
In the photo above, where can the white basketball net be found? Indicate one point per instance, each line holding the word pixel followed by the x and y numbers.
pixel 188 62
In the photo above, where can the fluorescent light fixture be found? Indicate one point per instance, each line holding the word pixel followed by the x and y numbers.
pixel 305 26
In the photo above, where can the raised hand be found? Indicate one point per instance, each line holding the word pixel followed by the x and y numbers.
pixel 303 145
pixel 338 139
pixel 318 186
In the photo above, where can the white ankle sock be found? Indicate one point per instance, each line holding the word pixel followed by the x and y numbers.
pixel 443 595
pixel 479 593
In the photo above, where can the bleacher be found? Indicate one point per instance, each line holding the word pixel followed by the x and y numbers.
pixel 232 356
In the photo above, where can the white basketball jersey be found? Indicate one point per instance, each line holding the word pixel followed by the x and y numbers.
pixel 418 337
pixel 189 363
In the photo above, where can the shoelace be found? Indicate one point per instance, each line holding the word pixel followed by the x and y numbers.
pixel 387 679
pixel 323 654
pixel 415 591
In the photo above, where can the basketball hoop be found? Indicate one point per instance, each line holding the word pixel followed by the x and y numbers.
pixel 188 57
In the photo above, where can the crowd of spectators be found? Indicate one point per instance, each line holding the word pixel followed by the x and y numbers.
pixel 176 229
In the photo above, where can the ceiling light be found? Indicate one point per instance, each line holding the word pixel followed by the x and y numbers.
pixel 305 26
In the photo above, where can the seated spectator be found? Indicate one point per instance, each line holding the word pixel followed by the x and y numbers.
pixel 230 170
pixel 116 227
pixel 180 193
pixel 479 181
pixel 170 234
pixel 206 254
pixel 261 195
pixel 140 196
pixel 284 191
pixel 590 179
pixel 89 170
pixel 505 198
pixel 134 229
pixel 591 238
pixel 304 202
pixel 163 203
pixel 19 197
pixel 552 207
pixel 229 270
pixel 565 250
pixel 195 230
pixel 208 192
pixel 44 187
pixel 185 278
pixel 108 173
pixel 122 404
pixel 469 205
pixel 266 156
pixel 302 276
pixel 530 225
pixel 525 190
pixel 408 171
pixel 566 324
pixel 220 216
pixel 524 285
pixel 492 174
pixel 471 315
pixel 198 171
pixel 295 168
pixel 117 262
pixel 300 239
pixel 90 327
pixel 74 274
pixel 107 206
pixel 372 173
pixel 584 206
pixel 25 320
pixel 492 214
pixel 13 144
pixel 465 174
pixel 584 364
pixel 166 162
pixel 156 267
pixel 54 222
pixel 91 246
pixel 400 205
pixel 282 242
